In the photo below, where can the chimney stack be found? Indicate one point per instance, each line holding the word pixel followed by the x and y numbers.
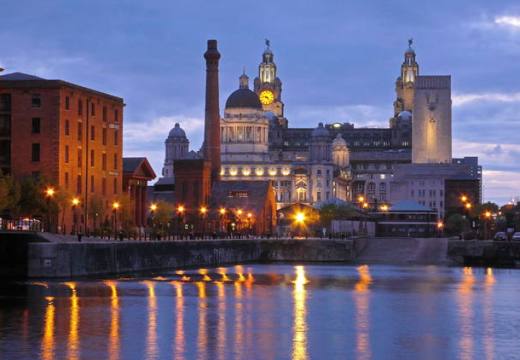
pixel 212 117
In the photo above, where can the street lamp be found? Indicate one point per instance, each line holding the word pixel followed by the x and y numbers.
pixel 440 227
pixel 299 217
pixel 49 194
pixel 115 207
pixel 463 198
pixel 75 202
pixel 487 217
pixel 222 212
pixel 203 211
pixel 180 212
pixel 153 208
pixel 384 208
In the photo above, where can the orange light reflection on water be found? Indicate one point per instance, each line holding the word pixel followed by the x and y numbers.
pixel 362 305
pixel 465 310
pixel 202 336
pixel 73 343
pixel 179 321
pixel 48 332
pixel 114 340
pixel 489 320
pixel 299 349
pixel 221 321
pixel 151 334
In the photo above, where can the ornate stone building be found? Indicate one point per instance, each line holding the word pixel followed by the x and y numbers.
pixel 333 160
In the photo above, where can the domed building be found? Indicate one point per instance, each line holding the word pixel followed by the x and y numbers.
pixel 244 131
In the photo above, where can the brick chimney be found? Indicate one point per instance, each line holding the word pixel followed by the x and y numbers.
pixel 212 117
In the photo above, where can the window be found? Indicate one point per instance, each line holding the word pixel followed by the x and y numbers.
pixel 35 154
pixel 66 180
pixel 104 161
pixel 80 107
pixel 92 162
pixel 92 133
pixel 104 136
pixel 92 109
pixel 78 184
pixel 115 185
pixel 67 127
pixel 116 137
pixel 104 186
pixel 35 125
pixel 80 131
pixel 115 161
pixel 327 195
pixel 116 116
pixel 67 103
pixel 66 154
pixel 80 158
pixel 5 102
pixel 36 101
pixel 91 183
pixel 104 113
pixel 318 172
pixel 5 125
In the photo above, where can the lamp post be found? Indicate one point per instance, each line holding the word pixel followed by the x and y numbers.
pixel 115 207
pixel 180 217
pixel 487 217
pixel 440 227
pixel 153 208
pixel 75 203
pixel 222 213
pixel 49 194
pixel 203 212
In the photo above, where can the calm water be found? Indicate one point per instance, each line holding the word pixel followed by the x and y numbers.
pixel 269 312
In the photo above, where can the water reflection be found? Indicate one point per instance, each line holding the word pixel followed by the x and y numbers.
pixel 299 350
pixel 465 305
pixel 221 321
pixel 73 344
pixel 179 321
pixel 239 314
pixel 151 335
pixel 48 333
pixel 204 273
pixel 489 321
pixel 362 305
pixel 113 342
pixel 202 336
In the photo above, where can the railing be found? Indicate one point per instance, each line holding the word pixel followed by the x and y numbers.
pixel 25 224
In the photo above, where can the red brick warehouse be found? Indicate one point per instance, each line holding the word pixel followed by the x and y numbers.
pixel 66 133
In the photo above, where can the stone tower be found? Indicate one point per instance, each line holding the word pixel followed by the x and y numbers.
pixel 212 116
pixel 404 85
pixel 431 120
pixel 267 85
pixel 177 148
pixel 340 152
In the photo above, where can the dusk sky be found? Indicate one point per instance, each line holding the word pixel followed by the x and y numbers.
pixel 338 61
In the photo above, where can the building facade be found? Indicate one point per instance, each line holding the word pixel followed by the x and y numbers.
pixel 67 134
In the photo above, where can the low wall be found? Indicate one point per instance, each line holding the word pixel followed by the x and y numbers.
pixel 56 260
pixel 484 253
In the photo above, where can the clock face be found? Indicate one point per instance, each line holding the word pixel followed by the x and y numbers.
pixel 266 97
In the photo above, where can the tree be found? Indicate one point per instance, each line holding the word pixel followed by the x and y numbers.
pixel 63 200
pixel 456 224
pixel 32 202
pixel 162 215
pixel 331 212
pixel 9 194
pixel 96 211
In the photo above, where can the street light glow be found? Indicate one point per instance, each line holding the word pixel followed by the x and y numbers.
pixel 180 209
pixel 463 198
pixel 440 224
pixel 50 192
pixel 239 211
pixel 487 214
pixel 361 199
pixel 300 217
pixel 153 207
pixel 115 205
pixel 384 207
pixel 468 206
pixel 222 211
pixel 203 210
pixel 75 201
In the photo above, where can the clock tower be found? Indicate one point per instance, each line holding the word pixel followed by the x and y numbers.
pixel 267 85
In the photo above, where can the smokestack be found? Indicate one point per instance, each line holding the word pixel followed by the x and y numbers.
pixel 212 117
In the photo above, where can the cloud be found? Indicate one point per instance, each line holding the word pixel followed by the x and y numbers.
pixel 509 21
pixel 500 186
pixel 469 98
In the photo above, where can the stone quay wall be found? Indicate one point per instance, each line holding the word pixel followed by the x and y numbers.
pixel 484 253
pixel 68 259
